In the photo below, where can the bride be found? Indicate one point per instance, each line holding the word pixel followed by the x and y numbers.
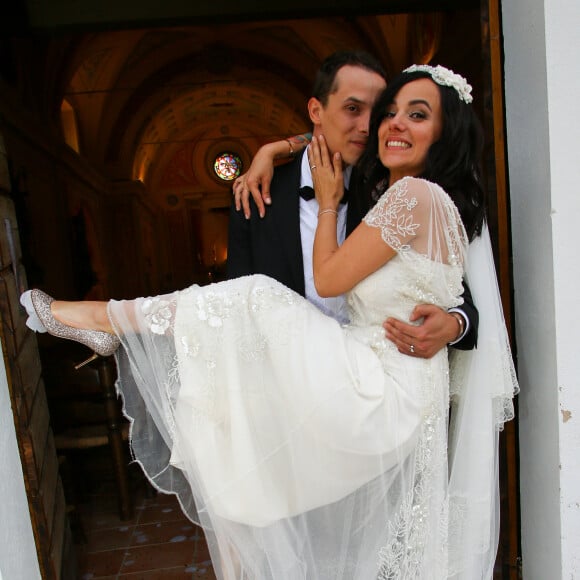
pixel 310 450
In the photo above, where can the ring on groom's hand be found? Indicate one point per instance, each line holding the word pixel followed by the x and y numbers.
pixel 313 167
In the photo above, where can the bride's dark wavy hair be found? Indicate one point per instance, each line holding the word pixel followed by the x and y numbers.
pixel 452 161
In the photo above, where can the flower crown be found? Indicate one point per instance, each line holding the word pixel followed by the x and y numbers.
pixel 445 77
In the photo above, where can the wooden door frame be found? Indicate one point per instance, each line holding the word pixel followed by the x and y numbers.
pixel 510 545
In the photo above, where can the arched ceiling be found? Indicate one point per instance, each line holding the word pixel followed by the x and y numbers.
pixel 145 98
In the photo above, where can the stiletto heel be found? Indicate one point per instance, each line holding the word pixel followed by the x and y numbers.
pixel 102 343
pixel 86 362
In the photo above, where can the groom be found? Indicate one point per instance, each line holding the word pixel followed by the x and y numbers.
pixel 280 244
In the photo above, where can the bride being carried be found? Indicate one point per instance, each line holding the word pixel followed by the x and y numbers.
pixel 307 448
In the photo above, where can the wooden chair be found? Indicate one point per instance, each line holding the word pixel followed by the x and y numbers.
pixel 85 414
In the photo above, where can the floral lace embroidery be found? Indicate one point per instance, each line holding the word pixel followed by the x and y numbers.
pixel 456 236
pixel 158 314
pixel 408 531
pixel 214 306
pixel 171 387
pixel 391 215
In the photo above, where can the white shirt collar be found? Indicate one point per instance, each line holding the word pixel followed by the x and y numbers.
pixel 306 173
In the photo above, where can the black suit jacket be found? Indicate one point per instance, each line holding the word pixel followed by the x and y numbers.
pixel 272 245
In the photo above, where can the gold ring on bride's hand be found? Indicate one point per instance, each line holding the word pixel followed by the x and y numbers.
pixel 313 167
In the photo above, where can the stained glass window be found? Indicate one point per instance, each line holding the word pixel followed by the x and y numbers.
pixel 227 166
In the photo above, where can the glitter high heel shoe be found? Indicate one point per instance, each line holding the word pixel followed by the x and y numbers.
pixel 102 343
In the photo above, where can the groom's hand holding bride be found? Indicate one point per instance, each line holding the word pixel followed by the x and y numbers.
pixel 436 329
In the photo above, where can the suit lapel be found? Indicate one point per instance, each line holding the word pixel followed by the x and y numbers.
pixel 356 204
pixel 286 217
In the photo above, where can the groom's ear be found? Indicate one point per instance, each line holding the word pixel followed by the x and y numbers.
pixel 315 110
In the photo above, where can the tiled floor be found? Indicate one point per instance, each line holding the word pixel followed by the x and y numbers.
pixel 158 542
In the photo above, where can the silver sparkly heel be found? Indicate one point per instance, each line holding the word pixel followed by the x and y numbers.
pixel 102 343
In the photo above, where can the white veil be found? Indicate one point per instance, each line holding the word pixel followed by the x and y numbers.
pixel 483 383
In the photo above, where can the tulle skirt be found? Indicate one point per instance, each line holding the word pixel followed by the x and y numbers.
pixel 303 450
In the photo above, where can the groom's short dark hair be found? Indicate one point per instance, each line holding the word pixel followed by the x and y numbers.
pixel 325 81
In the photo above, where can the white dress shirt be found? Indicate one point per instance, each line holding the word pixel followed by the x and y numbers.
pixel 336 305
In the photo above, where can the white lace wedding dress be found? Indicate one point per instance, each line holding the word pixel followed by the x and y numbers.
pixel 305 449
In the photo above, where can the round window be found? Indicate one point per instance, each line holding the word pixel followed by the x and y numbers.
pixel 227 166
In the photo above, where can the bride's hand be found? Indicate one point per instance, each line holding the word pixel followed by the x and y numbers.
pixel 326 174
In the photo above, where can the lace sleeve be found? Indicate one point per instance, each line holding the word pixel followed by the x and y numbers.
pixel 416 214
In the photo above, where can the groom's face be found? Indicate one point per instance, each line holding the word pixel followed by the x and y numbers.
pixel 344 118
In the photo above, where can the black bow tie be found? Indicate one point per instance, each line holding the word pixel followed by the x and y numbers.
pixel 307 193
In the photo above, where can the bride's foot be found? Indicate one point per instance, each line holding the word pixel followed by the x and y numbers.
pixel 101 342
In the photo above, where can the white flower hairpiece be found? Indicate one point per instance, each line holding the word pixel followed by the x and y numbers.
pixel 445 77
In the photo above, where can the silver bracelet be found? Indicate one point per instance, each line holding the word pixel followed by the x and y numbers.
pixel 328 211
